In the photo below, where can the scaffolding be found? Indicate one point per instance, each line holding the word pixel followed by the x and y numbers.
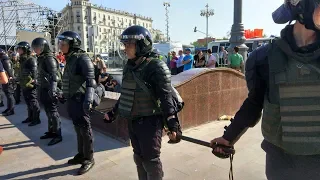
pixel 25 15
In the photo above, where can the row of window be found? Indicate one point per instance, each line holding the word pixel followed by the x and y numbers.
pixel 121 20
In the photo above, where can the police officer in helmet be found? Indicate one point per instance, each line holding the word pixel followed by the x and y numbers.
pixel 145 114
pixel 78 86
pixel 48 77
pixel 28 76
pixel 8 88
pixel 283 81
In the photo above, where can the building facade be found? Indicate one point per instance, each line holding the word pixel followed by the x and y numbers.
pixel 82 16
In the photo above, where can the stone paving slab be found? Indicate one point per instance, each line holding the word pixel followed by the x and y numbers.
pixel 27 157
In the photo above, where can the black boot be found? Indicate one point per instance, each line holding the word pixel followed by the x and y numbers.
pixel 47 135
pixel 1 104
pixel 27 120
pixel 9 113
pixel 34 123
pixel 36 120
pixel 55 140
pixel 5 111
pixel 86 166
pixel 77 159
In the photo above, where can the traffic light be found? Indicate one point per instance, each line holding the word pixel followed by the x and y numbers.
pixel 195 29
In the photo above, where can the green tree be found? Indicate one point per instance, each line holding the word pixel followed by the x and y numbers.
pixel 197 44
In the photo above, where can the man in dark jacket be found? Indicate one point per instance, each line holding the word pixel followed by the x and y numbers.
pixel 145 114
pixel 48 77
pixel 78 87
pixel 8 88
pixel 283 81
pixel 28 77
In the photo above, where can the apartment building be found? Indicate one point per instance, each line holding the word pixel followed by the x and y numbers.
pixel 81 15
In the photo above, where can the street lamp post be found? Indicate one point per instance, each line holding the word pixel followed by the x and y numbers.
pixel 166 5
pixel 237 32
pixel 207 13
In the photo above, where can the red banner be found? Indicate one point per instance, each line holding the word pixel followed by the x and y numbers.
pixel 256 33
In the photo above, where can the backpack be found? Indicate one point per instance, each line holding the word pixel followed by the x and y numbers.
pixel 176 98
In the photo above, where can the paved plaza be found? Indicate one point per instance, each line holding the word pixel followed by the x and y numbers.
pixel 27 157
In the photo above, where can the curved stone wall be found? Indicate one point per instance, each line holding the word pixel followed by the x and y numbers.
pixel 207 93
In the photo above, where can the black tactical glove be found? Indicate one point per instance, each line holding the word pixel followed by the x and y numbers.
pixel 174 126
pixel 227 151
pixel 53 91
pixel 60 97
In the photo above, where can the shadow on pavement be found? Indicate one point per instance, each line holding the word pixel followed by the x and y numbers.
pixel 42 170
pixel 65 149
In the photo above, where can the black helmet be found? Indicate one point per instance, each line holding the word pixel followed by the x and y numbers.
pixel 42 44
pixel 72 38
pixel 25 46
pixel 139 35
pixel 300 10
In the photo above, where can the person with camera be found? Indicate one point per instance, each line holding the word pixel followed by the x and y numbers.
pixel 146 82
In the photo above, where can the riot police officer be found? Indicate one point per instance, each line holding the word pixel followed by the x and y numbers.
pixel 48 77
pixel 16 68
pixel 283 81
pixel 27 79
pixel 146 82
pixel 8 88
pixel 78 86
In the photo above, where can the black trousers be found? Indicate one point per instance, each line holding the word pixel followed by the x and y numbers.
pixel 51 109
pixel 146 136
pixel 17 92
pixel 82 126
pixel 30 97
pixel 9 91
pixel 180 69
pixel 283 166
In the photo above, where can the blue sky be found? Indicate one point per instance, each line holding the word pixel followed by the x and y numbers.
pixel 185 14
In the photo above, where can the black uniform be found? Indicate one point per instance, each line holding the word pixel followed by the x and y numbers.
pixel 28 77
pixel 78 87
pixel 48 79
pixel 146 81
pixel 8 88
pixel 279 163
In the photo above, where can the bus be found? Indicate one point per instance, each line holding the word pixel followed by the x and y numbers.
pixel 252 44
pixel 191 47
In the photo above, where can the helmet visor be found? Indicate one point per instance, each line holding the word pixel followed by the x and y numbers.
pixel 121 50
pixel 38 49
pixel 130 38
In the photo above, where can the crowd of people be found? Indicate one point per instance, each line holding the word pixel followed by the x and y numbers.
pixel 185 60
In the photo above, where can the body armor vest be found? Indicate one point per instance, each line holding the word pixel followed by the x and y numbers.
pixel 72 82
pixel 291 114
pixel 134 101
pixel 44 78
pixel 16 68
pixel 25 71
